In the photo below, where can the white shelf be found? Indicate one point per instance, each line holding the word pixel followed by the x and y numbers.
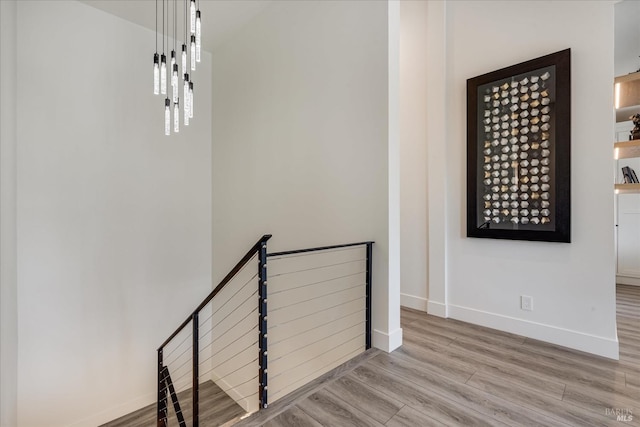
pixel 627 188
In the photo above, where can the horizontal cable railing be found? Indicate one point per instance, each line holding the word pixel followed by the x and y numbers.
pixel 319 317
pixel 229 337
pixel 319 312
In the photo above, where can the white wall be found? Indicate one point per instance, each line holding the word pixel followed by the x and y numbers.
pixel 8 279
pixel 414 69
pixel 114 234
pixel 300 137
pixel 437 152
pixel 572 285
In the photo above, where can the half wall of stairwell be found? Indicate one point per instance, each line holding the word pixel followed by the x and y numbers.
pixel 317 314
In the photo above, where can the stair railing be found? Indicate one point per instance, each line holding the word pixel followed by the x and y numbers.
pixel 165 385
pixel 321 310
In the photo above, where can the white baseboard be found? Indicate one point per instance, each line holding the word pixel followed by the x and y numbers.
pixel 437 309
pixel 387 341
pixel 625 280
pixel 412 301
pixel 601 346
pixel 118 411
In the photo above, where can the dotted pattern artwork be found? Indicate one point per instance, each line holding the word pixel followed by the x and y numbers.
pixel 517 151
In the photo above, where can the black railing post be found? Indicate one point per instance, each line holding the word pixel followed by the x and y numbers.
pixel 196 382
pixel 368 293
pixel 162 394
pixel 262 323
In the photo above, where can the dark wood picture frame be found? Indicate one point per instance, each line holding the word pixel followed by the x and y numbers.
pixel 519 151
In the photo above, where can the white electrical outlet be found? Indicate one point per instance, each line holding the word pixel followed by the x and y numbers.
pixel 526 303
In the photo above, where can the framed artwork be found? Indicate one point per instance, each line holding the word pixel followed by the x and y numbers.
pixel 519 151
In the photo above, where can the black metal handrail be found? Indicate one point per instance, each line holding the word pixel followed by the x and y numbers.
pixel 254 249
pixel 321 248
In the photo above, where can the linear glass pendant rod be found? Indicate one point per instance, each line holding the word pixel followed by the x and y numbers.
pixel 173 61
pixel 174 82
pixel 163 61
pixel 193 16
pixel 163 74
pixel 184 47
pixel 191 100
pixel 174 56
pixel 185 96
pixel 176 116
pixel 167 116
pixel 198 35
pixel 193 53
pixel 156 74
pixel 184 59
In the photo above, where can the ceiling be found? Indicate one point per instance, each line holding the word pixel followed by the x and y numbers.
pixel 219 17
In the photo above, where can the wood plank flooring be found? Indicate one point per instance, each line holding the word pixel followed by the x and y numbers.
pixel 450 373
pixel 454 374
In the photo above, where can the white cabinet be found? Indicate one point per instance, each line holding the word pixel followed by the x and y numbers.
pixel 628 265
pixel 627 153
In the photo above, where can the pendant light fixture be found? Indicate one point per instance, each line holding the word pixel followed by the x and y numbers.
pixel 185 95
pixel 166 71
pixel 192 13
pixel 198 33
pixel 163 74
pixel 156 61
pixel 184 43
pixel 174 74
pixel 163 61
pixel 174 64
pixel 173 51
pixel 184 58
pixel 191 100
pixel 167 116
pixel 173 59
pixel 193 52
pixel 156 74
pixel 176 117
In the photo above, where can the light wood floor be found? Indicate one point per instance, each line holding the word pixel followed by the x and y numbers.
pixel 452 373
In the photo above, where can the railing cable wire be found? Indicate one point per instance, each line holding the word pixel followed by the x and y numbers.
pixel 319 296
pixel 316 268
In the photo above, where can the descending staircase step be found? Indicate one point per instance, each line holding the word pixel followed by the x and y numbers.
pixel 217 409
